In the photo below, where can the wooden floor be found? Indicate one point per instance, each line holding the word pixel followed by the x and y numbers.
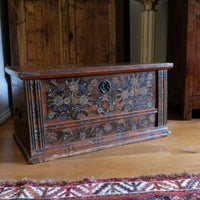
pixel 177 153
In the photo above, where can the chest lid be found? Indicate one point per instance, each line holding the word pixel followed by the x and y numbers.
pixel 55 71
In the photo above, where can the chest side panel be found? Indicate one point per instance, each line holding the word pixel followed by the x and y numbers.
pixel 20 114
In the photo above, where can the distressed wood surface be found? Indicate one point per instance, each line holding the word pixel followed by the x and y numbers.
pixel 50 32
pixel 71 112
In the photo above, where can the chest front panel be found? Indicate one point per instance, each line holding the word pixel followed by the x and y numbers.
pixel 97 107
pixel 79 98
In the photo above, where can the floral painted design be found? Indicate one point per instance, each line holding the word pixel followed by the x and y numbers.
pixel 96 131
pixel 80 98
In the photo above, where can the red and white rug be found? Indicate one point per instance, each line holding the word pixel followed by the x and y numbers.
pixel 181 187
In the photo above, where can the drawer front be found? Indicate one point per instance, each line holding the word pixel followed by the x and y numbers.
pixel 84 98
pixel 97 133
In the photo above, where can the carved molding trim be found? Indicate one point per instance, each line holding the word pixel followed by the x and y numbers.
pixel 149 4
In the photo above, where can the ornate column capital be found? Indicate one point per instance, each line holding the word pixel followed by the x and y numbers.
pixel 149 4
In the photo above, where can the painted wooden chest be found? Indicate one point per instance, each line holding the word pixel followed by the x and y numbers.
pixel 66 110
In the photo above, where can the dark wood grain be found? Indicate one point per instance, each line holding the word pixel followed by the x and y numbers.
pixel 20 112
pixel 14 51
pixel 183 48
pixel 195 71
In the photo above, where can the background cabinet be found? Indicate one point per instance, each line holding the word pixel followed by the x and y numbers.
pixel 184 52
pixel 49 32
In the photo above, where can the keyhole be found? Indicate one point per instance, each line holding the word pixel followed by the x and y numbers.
pixel 104 86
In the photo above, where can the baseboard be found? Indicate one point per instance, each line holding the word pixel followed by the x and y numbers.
pixel 5 115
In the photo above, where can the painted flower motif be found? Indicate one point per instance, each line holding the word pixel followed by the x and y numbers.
pixel 107 127
pixel 134 127
pixel 105 97
pixel 149 104
pixel 150 76
pixel 152 118
pixel 67 100
pixel 51 115
pixel 148 84
pixel 81 115
pixel 55 108
pixel 68 131
pixel 90 88
pixel 121 126
pixel 58 100
pixel 134 82
pixel 52 91
pixel 82 135
pixel 64 108
pixel 82 88
pixel 132 92
pixel 111 108
pixel 121 121
pixel 100 110
pixel 94 82
pixel 53 82
pixel 67 82
pixel 52 137
pixel 105 105
pixel 127 107
pixel 137 91
pixel 143 91
pixel 60 87
pixel 73 86
pixel 122 77
pixel 125 94
pixel 83 100
pixel 75 100
pixel 98 130
pixel 59 117
pixel 144 123
pixel 68 137
pixel 116 80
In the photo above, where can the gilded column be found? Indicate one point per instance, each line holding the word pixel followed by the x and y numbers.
pixel 148 30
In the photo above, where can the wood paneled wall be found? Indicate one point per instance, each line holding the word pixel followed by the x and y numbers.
pixel 48 32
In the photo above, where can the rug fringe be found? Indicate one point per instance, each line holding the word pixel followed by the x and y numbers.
pixel 92 179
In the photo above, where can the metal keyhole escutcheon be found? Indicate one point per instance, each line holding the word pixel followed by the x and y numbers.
pixel 104 86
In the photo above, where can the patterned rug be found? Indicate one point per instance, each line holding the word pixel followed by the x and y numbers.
pixel 181 187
